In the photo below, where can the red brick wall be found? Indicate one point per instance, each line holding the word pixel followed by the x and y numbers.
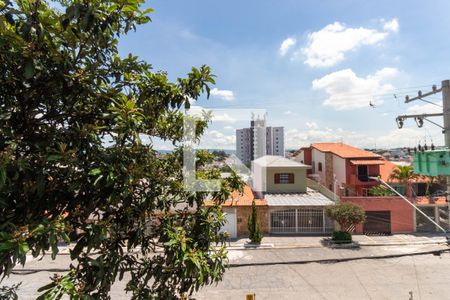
pixel 402 214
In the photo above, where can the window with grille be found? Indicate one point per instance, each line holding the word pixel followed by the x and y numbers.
pixel 284 178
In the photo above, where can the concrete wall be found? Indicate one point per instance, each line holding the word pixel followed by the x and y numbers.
pixel 318 157
pixel 339 170
pixel 242 215
pixel 304 157
pixel 300 157
pixel 258 178
pixel 402 214
pixel 299 185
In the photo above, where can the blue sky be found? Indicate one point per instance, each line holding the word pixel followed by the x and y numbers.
pixel 314 66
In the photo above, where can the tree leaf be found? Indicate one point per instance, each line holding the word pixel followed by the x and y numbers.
pixel 29 68
pixel 95 172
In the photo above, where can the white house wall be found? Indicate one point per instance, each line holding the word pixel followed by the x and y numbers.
pixel 339 169
pixel 318 157
pixel 258 178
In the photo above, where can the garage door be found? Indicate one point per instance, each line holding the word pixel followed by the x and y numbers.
pixel 377 222
pixel 230 224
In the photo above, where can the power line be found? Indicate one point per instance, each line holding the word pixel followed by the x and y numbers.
pixel 387 95
pixel 421 99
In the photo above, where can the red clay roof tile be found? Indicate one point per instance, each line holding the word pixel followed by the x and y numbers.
pixel 344 150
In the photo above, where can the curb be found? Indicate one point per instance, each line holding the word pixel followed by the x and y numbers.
pixel 242 247
pixel 335 246
pixel 338 260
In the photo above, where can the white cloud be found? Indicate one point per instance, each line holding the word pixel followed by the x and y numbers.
pixel 216 139
pixel 406 137
pixel 288 112
pixel 229 127
pixel 312 125
pixel 286 45
pixel 222 117
pixel 312 133
pixel 391 25
pixel 328 46
pixel 226 95
pixel 348 91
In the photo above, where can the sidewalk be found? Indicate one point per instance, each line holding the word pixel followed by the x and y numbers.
pixel 292 241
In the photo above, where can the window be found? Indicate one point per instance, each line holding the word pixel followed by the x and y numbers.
pixel 320 167
pixel 284 178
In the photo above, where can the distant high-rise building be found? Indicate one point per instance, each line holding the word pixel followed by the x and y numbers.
pixel 259 140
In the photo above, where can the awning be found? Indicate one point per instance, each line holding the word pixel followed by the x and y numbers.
pixel 367 162
pixel 310 198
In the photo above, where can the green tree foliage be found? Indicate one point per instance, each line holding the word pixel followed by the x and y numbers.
pixel 346 214
pixel 403 174
pixel 380 191
pixel 219 154
pixel 255 234
pixel 77 163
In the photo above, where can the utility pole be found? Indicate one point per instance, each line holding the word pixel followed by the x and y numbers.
pixel 419 118
pixel 446 111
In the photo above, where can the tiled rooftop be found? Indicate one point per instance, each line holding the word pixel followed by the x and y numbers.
pixel 344 150
pixel 245 199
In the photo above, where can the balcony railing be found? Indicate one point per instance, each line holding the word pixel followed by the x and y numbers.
pixel 321 189
pixel 362 180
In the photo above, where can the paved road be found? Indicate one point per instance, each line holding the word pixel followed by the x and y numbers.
pixel 423 277
pixel 426 277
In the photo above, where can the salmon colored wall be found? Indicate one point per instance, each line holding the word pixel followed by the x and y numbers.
pixel 352 170
pixel 402 214
pixel 349 170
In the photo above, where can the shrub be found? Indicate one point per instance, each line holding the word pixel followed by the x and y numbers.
pixel 342 236
pixel 346 214
pixel 255 234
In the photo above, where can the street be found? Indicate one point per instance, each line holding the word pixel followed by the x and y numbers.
pixel 409 277
pixel 406 277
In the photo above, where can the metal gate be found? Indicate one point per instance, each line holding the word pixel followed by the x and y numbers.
pixel 301 220
pixel 283 221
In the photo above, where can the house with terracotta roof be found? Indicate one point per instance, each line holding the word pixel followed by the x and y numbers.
pixel 347 170
pixel 285 202
pixel 237 210
pixel 293 206
pixel 344 169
